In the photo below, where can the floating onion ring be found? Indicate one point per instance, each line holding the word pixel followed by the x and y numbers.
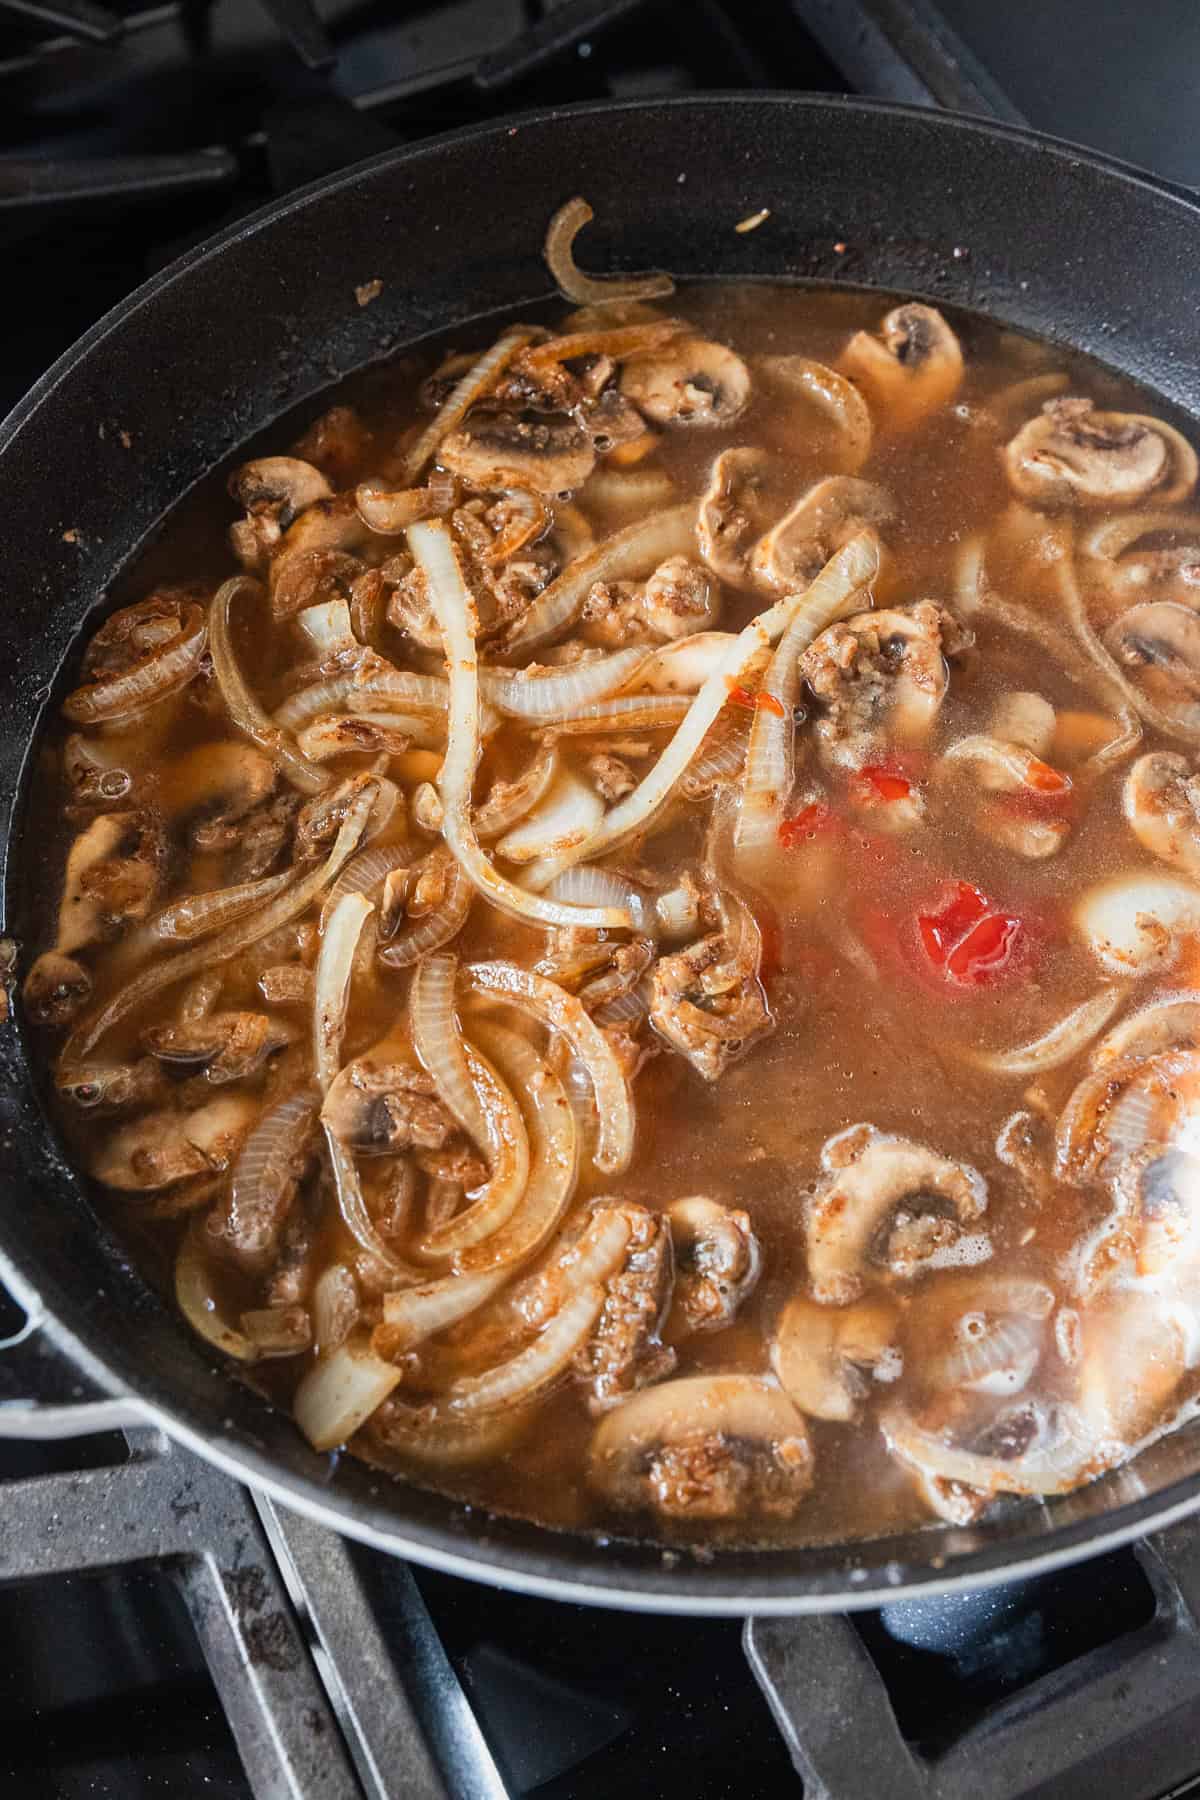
pixel 1056 1046
pixel 112 699
pixel 1052 1468
pixel 591 290
pixel 198 1303
pixel 558 693
pixel 455 610
pixel 438 1040
pixel 244 710
pixel 629 553
pixel 617 342
pixel 585 885
pixel 533 1369
pixel 462 397
pixel 562 1012
pixel 508 1156
pixel 197 914
pixel 437 928
pixel 769 767
pixel 239 936
pixel 836 396
pixel 340 1392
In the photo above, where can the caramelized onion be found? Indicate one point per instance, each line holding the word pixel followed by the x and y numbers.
pixel 261 1180
pixel 340 1392
pixel 508 1156
pixel 481 376
pixel 437 928
pixel 197 1301
pixel 438 1040
pixel 244 710
pixel 1058 1045
pixel 533 1369
pixel 510 801
pixel 197 914
pixel 585 885
pixel 562 1012
pixel 629 553
pixel 286 906
pixel 625 712
pixel 558 693
pixel 390 513
pixel 416 1313
pixel 364 873
pixel 592 290
pixel 114 699
pixel 331 983
pixel 455 610
pixel 375 686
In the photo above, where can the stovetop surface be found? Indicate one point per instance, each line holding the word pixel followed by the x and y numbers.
pixel 114 157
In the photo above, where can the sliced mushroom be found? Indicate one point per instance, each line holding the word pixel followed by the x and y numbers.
pixel 691 381
pixel 227 1046
pixel 1073 452
pixel 163 1148
pixel 793 552
pixel 833 394
pixel 301 578
pixel 214 787
pixel 911 369
pixel 1134 924
pixel 1135 1348
pixel 1161 800
pixel 337 443
pixel 708 1447
pixel 733 511
pixel 272 491
pixel 981 1332
pixel 1159 646
pixel 384 1108
pixel 329 525
pixel 1143 556
pixel 677 600
pixel 80 919
pixel 707 1001
pixel 881 678
pixel 105 1088
pixel 819 1353
pixel 718 1261
pixel 547 453
pixel 56 989
pixel 625 1351
pixel 888 1206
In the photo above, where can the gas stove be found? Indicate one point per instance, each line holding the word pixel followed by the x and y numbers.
pixel 169 1632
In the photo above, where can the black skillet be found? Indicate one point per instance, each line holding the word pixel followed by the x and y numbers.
pixel 1034 233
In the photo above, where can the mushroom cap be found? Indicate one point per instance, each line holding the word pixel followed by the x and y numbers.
pixel 911 369
pixel 1072 452
pixel 817 1352
pixel 732 511
pixel 691 381
pixel 1161 801
pixel 1135 1347
pixel 1159 644
pixel 282 487
pixel 548 453
pixel 163 1148
pixel 218 782
pixel 1133 923
pixel 718 1261
pixel 704 1446
pixel 867 1176
pixel 793 552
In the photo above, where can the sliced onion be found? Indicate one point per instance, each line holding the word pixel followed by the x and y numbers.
pixel 261 1182
pixel 769 768
pixel 554 1155
pixel 416 1313
pixel 585 885
pixel 237 937
pixel 375 686
pixel 340 1392
pixel 369 734
pixel 568 812
pixel 449 1443
pixel 364 873
pixel 327 627
pixel 837 396
pixel 334 1306
pixel 436 929
pixel 1010 762
pixel 113 699
pixel 558 693
pixel 626 554
pixel 475 383
pixel 625 713
pixel 683 666
pixel 1098 655
pixel 244 710
pixel 198 1303
pixel 629 490
pixel 198 914
pixel 578 1262
pixel 1052 1468
pixel 1058 1045
pixel 455 610
pixel 390 513
pixel 615 341
pixel 438 1040
pixel 508 1155
pixel 591 290
pixel 510 801
pixel 534 1369
pixel 632 814
pixel 562 1012
pixel 331 983
pixel 278 1330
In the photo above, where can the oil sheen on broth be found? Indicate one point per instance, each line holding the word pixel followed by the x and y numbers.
pixel 752 1101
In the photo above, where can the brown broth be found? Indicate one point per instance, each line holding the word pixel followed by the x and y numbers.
pixel 864 1030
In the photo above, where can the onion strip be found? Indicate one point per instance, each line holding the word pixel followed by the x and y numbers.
pixel 340 1392
pixel 197 914
pixel 364 873
pixel 562 1012
pixel 625 554
pixel 461 398
pixel 770 756
pixel 508 1154
pixel 375 686
pixel 195 1298
pixel 114 699
pixel 237 937
pixel 558 693
pixel 331 983
pixel 438 1040
pixel 434 930
pixel 1056 1046
pixel 626 712
pixel 455 611
pixel 1109 668
pixel 244 710
pixel 592 290
pixel 533 1369
pixel 509 801
pixel 413 1314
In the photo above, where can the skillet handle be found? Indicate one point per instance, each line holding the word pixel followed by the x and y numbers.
pixel 45 1395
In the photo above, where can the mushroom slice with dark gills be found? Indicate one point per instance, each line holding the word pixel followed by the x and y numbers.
pixel 733 511
pixel 888 1207
pixel 1161 801
pixel 273 491
pixel 690 381
pixel 224 1046
pixel 546 453
pixel 967 1441
pixel 213 787
pixel 380 1109
pixel 1073 453
pixel 718 1261
pixel 1158 646
pixel 706 1447
pixel 880 678
pixel 707 1001
pixel 679 598
pixel 914 366
pixel 824 1354
pixel 163 1148
pixel 625 1351
pixel 793 552
pixel 108 1088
